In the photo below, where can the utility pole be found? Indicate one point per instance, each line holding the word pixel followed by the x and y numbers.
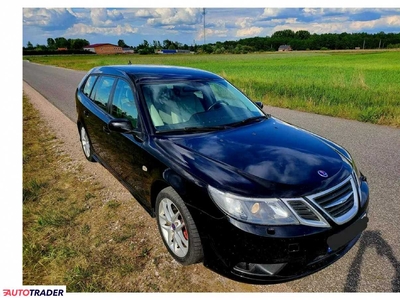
pixel 364 45
pixel 380 44
pixel 204 25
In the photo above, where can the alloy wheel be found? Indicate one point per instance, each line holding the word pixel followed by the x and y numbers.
pixel 173 228
pixel 85 142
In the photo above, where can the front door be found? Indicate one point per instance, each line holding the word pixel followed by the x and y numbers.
pixel 127 157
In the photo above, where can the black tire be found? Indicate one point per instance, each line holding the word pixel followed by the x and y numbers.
pixel 86 144
pixel 178 232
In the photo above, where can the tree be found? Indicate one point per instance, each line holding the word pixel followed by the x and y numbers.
pixel 145 48
pixel 78 44
pixel 40 47
pixel 156 45
pixel 287 33
pixel 302 34
pixel 207 48
pixel 51 44
pixel 29 45
pixel 121 43
pixel 166 44
pixel 178 45
pixel 61 42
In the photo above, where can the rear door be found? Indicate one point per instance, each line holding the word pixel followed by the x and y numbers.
pixel 96 116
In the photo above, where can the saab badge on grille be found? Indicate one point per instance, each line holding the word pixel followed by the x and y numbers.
pixel 322 173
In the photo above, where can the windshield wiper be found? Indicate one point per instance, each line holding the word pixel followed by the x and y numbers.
pixel 194 129
pixel 248 121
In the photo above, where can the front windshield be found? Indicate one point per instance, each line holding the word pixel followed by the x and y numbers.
pixel 196 104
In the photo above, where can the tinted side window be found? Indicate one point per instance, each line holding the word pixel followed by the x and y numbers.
pixel 89 85
pixel 123 104
pixel 102 91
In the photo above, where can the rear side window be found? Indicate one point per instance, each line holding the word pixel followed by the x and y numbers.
pixel 102 91
pixel 87 89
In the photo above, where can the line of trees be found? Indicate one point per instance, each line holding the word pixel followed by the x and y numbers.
pixel 304 40
pixel 148 48
pixel 59 43
pixel 299 40
pixel 76 45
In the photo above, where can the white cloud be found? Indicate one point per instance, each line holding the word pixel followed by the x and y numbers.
pixel 211 33
pixel 340 24
pixel 271 12
pixel 313 11
pixel 336 19
pixel 82 29
pixel 342 10
pixel 104 17
pixel 172 16
pixel 143 13
pixel 291 21
pixel 318 28
pixel 249 32
pixel 54 17
pixel 244 22
pixel 390 21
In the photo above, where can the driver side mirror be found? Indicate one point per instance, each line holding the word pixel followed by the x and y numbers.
pixel 259 104
pixel 124 126
pixel 120 126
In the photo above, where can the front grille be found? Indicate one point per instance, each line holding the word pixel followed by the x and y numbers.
pixel 305 213
pixel 339 202
pixel 303 210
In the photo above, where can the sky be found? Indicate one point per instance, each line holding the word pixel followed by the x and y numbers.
pixel 184 22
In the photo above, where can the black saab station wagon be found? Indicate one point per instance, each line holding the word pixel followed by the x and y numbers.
pixel 254 198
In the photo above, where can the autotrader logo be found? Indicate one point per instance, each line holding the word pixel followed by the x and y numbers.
pixel 36 291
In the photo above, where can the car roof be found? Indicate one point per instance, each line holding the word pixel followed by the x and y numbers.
pixel 156 72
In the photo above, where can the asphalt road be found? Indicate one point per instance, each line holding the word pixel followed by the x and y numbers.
pixel 373 265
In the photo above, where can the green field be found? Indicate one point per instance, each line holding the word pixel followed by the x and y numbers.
pixel 359 85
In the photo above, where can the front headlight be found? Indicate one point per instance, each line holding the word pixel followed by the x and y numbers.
pixel 266 211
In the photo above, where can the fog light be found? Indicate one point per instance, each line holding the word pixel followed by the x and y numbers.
pixel 259 269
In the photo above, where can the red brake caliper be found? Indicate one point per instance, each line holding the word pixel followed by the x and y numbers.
pixel 185 233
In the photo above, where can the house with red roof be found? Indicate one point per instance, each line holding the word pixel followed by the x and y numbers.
pixel 104 48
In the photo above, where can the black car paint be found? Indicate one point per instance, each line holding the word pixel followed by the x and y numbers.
pixel 190 162
pixel 267 150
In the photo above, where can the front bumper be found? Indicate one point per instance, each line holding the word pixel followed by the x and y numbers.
pixel 274 254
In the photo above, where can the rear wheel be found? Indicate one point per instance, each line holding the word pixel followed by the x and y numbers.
pixel 86 145
pixel 177 228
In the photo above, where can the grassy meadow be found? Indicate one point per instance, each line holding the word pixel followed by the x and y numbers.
pixel 358 85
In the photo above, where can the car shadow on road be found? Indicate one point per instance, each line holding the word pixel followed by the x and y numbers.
pixel 372 238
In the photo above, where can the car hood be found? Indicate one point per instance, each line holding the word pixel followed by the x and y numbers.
pixel 270 158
